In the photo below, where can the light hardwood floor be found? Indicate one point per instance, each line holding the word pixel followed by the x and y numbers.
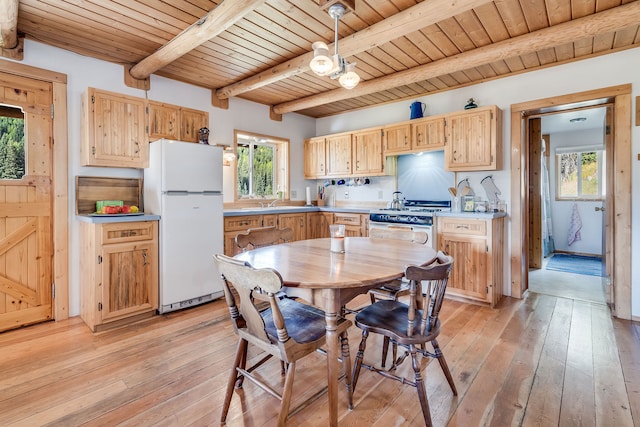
pixel 540 361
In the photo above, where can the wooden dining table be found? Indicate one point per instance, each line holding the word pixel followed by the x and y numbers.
pixel 330 280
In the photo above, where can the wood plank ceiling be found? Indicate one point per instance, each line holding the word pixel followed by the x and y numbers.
pixel 403 48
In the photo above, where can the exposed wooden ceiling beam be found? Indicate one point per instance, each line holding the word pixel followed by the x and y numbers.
pixel 8 24
pixel 599 23
pixel 413 19
pixel 213 23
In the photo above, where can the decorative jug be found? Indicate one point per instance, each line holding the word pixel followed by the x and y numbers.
pixel 417 109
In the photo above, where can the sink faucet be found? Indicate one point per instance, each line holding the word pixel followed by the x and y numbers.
pixel 272 204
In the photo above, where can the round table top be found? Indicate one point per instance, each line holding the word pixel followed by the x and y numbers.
pixel 310 263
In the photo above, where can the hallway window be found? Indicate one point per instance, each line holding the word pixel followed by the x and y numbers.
pixel 579 173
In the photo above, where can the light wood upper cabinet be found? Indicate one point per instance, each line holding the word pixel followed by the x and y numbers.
pixel 163 121
pixel 114 130
pixel 338 153
pixel 190 122
pixel 428 134
pixel 367 152
pixel 314 158
pixel 471 140
pixel 397 139
pixel 474 140
pixel 175 122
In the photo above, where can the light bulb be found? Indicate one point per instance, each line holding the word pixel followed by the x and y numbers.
pixel 322 63
pixel 350 78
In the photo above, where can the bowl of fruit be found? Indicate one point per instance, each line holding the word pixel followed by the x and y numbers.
pixel 116 207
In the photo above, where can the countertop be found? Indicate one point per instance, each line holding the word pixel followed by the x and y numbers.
pixel 479 215
pixel 292 209
pixel 116 218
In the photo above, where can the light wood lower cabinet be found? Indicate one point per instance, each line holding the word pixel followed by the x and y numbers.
pixel 238 224
pixel 305 225
pixel 318 224
pixel 297 222
pixel 477 250
pixel 119 272
pixel 356 225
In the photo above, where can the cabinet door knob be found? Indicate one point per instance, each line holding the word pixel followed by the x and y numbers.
pixel 144 257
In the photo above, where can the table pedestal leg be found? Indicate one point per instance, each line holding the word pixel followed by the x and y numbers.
pixel 333 351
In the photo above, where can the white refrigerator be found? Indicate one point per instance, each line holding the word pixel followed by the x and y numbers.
pixel 183 184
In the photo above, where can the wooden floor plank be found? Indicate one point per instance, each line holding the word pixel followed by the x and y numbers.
pixel 578 394
pixel 477 405
pixel 543 406
pixel 612 402
pixel 540 361
pixel 511 400
pixel 628 345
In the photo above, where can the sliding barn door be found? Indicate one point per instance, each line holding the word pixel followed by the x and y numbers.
pixel 26 206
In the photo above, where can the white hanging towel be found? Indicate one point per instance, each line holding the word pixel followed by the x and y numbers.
pixel 575 224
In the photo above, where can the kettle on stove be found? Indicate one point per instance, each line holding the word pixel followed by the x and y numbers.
pixel 396 203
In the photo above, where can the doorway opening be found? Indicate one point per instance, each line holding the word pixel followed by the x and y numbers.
pixel 568 154
pixel 617 205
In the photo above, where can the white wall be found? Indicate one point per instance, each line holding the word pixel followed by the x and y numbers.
pixel 561 210
pixel 609 70
pixel 83 72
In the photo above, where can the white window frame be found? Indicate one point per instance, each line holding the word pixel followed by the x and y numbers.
pixel 280 164
pixel 600 152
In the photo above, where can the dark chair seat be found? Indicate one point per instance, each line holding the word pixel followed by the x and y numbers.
pixel 305 323
pixel 391 317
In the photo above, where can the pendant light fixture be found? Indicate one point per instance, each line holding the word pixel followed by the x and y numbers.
pixel 336 67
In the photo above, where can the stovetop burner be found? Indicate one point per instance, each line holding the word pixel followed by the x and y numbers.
pixel 433 204
pixel 417 212
pixel 420 207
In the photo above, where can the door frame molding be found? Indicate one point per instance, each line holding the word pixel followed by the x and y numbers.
pixel 620 97
pixel 59 184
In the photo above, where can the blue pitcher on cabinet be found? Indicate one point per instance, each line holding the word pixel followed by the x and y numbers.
pixel 417 109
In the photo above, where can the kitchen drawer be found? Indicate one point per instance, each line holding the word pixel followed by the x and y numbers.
pixel 468 226
pixel 122 232
pixel 347 218
pixel 269 220
pixel 242 222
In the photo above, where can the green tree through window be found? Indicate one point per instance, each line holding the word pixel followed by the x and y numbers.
pixel 256 169
pixel 12 155
pixel 580 174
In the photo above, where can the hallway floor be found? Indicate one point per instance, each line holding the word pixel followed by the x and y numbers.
pixel 567 285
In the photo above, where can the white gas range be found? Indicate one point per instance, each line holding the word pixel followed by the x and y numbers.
pixel 416 214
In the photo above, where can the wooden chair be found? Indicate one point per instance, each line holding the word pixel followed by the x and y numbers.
pixel 263 236
pixel 286 329
pixel 410 326
pixel 396 288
